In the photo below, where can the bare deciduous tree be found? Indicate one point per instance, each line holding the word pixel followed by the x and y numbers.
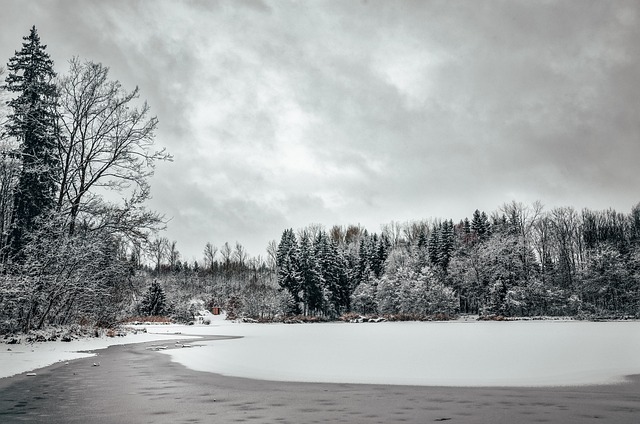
pixel 226 253
pixel 173 254
pixel 393 231
pixel 272 254
pixel 105 141
pixel 158 249
pixel 210 255
pixel 240 254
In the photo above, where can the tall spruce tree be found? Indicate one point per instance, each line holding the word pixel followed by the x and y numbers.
pixel 32 124
pixel 327 260
pixel 311 279
pixel 446 246
pixel 380 255
pixel 433 245
pixel 480 225
pixel 334 272
pixel 421 249
pixel 287 262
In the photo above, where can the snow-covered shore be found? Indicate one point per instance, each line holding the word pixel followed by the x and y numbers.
pixel 25 356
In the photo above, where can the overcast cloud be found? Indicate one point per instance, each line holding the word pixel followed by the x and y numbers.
pixel 281 114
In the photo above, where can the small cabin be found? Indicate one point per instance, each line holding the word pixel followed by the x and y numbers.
pixel 215 310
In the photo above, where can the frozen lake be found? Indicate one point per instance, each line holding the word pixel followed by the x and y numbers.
pixel 520 353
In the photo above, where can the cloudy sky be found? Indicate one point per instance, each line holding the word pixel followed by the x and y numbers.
pixel 280 114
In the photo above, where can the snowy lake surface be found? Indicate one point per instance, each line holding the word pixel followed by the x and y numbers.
pixel 519 353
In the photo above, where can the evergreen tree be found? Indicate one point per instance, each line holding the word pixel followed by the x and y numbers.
pixel 287 262
pixel 154 301
pixel 380 255
pixel 434 245
pixel 421 250
pixel 365 249
pixel 311 280
pixel 465 235
pixel 446 245
pixel 480 224
pixel 423 239
pixel 32 124
pixel 333 271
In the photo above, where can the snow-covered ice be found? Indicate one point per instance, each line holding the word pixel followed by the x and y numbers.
pixel 521 353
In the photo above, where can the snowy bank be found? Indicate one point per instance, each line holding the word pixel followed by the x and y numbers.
pixel 25 356
pixel 28 356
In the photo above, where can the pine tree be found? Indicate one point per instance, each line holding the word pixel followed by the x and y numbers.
pixel 421 250
pixel 333 272
pixel 344 285
pixel 365 250
pixel 32 123
pixel 311 281
pixel 480 225
pixel 380 256
pixel 446 244
pixel 476 224
pixel 434 245
pixel 154 301
pixel 287 263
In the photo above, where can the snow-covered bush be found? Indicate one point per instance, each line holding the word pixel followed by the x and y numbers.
pixel 416 294
pixel 363 298
pixel 63 279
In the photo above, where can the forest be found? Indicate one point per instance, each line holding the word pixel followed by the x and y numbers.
pixel 519 261
pixel 79 246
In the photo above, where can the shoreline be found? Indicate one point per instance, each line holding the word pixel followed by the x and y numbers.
pixel 27 356
pixel 135 384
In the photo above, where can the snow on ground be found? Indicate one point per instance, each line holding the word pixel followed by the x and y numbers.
pixel 25 357
pixel 521 353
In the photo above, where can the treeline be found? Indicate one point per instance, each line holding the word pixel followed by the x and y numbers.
pixel 67 255
pixel 517 261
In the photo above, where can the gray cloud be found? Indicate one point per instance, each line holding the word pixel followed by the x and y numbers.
pixel 281 114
